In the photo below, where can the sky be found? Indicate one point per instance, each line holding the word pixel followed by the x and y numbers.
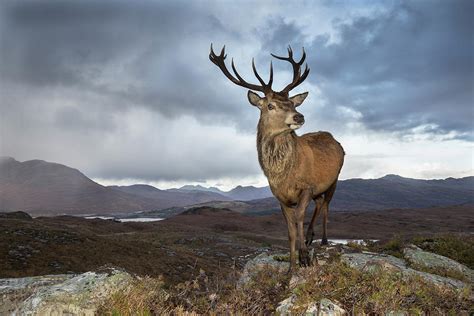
pixel 124 90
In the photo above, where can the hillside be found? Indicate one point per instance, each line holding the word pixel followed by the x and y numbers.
pixel 167 198
pixel 43 188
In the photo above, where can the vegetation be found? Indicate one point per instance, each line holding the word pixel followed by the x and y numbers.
pixel 378 292
pixel 457 247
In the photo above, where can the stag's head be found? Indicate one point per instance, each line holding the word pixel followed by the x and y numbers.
pixel 277 109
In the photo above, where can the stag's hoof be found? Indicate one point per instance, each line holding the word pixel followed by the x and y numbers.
pixel 290 271
pixel 324 241
pixel 305 260
pixel 309 239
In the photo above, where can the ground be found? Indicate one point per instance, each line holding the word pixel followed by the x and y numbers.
pixel 215 240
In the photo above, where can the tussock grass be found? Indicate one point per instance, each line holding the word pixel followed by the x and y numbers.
pixel 376 292
pixel 358 292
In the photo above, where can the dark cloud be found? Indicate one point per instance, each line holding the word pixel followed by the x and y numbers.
pixel 404 68
pixel 141 53
pixel 125 89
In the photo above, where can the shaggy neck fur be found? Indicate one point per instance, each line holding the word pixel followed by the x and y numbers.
pixel 276 153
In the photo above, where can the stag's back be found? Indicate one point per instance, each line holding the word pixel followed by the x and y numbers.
pixel 320 159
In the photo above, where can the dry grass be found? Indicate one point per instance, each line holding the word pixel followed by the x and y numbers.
pixel 376 292
pixel 200 296
pixel 359 292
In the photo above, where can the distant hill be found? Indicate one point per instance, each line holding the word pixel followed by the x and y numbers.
pixel 44 188
pixel 172 198
pixel 389 192
pixel 198 188
pixel 240 193
pixel 247 193
pixel 393 191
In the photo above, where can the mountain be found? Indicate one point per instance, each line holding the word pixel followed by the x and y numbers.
pixel 199 188
pixel 43 188
pixel 240 193
pixel 248 193
pixel 388 192
pixel 393 191
pixel 172 198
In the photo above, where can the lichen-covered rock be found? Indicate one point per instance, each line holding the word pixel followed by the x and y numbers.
pixel 262 261
pixel 370 261
pixel 431 261
pixel 284 307
pixel 328 308
pixel 66 294
pixel 324 307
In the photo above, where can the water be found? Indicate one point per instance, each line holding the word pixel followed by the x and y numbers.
pixel 127 220
pixel 346 241
pixel 142 219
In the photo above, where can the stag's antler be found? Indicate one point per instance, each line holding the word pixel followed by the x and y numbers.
pixel 218 60
pixel 298 78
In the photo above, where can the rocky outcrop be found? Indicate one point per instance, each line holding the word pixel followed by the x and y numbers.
pixel 65 294
pixel 369 261
pixel 433 262
pixel 263 261
pixel 324 307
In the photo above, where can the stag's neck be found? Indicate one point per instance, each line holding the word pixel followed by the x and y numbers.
pixel 276 153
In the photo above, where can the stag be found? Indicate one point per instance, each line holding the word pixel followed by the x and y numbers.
pixel 298 168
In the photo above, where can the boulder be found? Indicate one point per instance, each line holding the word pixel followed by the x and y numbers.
pixel 263 261
pixel 328 308
pixel 431 261
pixel 66 294
pixel 367 261
pixel 285 306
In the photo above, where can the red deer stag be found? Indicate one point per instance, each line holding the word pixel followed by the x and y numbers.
pixel 298 168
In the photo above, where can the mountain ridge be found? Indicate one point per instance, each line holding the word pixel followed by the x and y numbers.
pixel 44 188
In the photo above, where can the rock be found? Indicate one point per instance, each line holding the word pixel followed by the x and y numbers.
pixel 312 310
pixel 432 261
pixel 328 308
pixel 374 261
pixel 66 294
pixel 260 262
pixel 284 307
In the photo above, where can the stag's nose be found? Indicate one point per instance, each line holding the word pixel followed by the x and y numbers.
pixel 299 118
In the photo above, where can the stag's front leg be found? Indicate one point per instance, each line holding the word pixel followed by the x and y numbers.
pixel 289 214
pixel 300 210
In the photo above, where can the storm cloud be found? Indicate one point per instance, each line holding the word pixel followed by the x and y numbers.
pixel 125 90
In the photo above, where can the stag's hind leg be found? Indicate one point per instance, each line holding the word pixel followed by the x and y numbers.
pixel 325 210
pixel 310 232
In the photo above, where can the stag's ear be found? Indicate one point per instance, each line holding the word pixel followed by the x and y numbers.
pixel 254 99
pixel 299 98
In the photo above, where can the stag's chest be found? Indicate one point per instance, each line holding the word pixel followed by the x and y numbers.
pixel 286 192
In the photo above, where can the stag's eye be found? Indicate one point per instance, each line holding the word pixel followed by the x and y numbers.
pixel 271 106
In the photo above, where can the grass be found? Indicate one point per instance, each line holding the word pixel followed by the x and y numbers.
pixel 202 295
pixel 457 247
pixel 375 292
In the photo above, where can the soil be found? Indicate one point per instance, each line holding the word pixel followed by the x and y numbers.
pixel 215 240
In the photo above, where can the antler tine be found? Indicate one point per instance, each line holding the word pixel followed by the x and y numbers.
pixel 219 61
pixel 270 81
pixel 298 78
pixel 256 73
